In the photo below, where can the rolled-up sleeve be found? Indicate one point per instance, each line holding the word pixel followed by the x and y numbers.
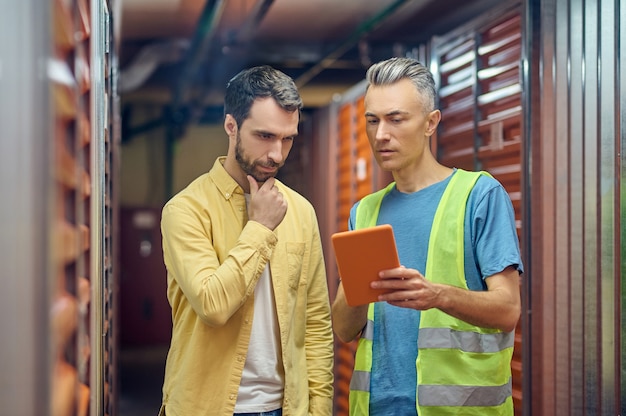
pixel 214 287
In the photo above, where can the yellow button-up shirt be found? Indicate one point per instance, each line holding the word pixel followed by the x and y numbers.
pixel 214 258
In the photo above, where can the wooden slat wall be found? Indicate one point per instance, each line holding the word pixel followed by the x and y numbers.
pixel 499 106
pixel 70 317
pixel 480 99
pixel 83 298
pixel 363 176
pixel 356 168
pixel 457 73
pixel 344 353
pixel 345 165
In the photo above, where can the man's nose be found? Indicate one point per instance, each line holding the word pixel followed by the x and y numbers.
pixel 275 152
pixel 382 132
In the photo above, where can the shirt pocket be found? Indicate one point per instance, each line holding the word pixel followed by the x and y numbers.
pixel 295 260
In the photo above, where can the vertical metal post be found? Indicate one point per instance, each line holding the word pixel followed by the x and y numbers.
pixel 99 112
pixel 26 210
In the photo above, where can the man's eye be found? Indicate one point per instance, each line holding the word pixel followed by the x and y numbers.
pixel 372 121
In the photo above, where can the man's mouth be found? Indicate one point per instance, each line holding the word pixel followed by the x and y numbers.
pixel 267 169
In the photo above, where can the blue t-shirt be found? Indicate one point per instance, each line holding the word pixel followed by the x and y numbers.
pixel 491 245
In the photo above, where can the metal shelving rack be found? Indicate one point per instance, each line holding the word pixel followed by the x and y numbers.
pixel 59 112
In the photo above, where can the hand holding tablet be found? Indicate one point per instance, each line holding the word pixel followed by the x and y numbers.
pixel 360 255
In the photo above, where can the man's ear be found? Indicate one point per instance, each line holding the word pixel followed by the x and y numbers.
pixel 434 117
pixel 230 125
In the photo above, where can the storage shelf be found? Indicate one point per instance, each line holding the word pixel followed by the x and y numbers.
pixel 74 145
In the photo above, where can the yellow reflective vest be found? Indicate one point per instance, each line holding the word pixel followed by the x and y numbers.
pixel 461 368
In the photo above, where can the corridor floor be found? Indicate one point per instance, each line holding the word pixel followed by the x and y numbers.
pixel 141 378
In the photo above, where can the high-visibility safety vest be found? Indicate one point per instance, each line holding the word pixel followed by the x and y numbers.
pixel 461 368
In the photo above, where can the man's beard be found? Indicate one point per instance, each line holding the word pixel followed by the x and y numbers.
pixel 249 167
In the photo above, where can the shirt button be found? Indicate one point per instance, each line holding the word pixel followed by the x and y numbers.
pixel 231 397
pixel 239 358
pixel 227 195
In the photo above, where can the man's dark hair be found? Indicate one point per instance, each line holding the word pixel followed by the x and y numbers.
pixel 259 82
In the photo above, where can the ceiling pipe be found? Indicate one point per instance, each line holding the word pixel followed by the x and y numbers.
pixel 198 51
pixel 146 62
pixel 247 30
pixel 364 28
pixel 177 117
pixel 255 17
pixel 224 69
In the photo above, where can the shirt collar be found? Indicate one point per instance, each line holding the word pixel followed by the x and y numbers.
pixel 222 179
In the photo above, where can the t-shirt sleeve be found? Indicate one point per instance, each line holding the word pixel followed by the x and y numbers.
pixel 493 229
pixel 352 219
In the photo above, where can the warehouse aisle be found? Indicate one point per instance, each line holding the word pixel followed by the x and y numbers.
pixel 141 378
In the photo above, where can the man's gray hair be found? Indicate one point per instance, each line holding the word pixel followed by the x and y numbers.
pixel 395 69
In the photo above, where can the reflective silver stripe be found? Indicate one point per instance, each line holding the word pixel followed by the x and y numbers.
pixel 465 341
pixel 431 395
pixel 360 381
pixel 368 331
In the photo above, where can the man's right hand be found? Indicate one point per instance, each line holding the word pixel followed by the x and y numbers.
pixel 267 205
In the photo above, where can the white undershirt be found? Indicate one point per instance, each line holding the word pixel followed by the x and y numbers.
pixel 262 381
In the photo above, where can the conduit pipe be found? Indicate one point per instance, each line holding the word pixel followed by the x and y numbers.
pixel 199 50
pixel 365 27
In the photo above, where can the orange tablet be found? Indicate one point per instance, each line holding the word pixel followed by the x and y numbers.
pixel 360 255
